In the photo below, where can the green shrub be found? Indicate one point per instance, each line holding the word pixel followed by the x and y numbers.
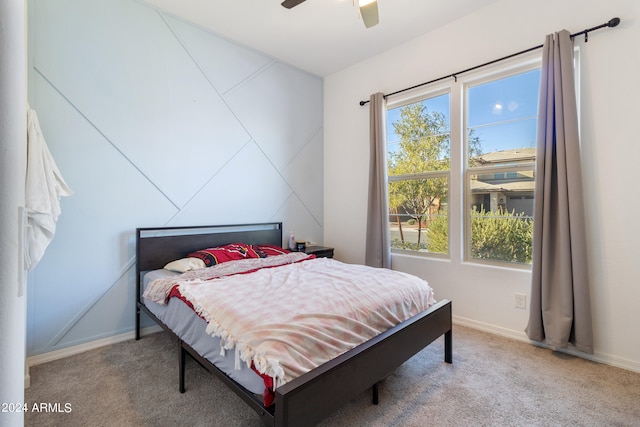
pixel 501 236
pixel 497 236
pixel 438 235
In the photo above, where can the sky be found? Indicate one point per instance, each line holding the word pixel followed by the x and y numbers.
pixel 503 113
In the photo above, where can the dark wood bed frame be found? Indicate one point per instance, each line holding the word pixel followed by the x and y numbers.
pixel 297 403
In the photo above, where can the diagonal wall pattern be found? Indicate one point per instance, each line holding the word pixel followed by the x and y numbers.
pixel 153 121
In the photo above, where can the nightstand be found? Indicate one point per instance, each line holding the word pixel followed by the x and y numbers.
pixel 319 251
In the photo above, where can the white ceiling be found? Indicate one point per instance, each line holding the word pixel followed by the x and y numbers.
pixel 318 36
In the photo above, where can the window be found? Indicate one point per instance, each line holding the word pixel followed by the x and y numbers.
pixel 419 163
pixel 486 166
pixel 501 120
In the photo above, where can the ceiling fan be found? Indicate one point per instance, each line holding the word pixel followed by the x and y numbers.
pixel 368 10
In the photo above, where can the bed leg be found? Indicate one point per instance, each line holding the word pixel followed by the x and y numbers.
pixel 374 393
pixel 448 346
pixel 182 362
pixel 137 322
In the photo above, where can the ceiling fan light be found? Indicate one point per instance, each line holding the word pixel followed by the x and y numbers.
pixel 369 12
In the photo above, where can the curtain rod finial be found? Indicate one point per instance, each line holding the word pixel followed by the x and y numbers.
pixel 613 22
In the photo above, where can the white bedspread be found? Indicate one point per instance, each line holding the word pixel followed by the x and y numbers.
pixel 290 319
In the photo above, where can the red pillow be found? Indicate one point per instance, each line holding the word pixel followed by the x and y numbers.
pixel 220 254
pixel 270 250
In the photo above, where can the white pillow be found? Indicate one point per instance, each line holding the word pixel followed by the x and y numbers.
pixel 185 264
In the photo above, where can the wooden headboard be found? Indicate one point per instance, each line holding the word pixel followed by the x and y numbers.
pixel 155 247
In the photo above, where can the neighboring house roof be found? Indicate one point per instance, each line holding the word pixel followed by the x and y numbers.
pixel 507 156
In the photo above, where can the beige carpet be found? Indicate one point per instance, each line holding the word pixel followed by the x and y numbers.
pixel 493 381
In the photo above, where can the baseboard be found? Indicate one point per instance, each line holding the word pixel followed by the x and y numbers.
pixel 606 359
pixel 493 329
pixel 81 348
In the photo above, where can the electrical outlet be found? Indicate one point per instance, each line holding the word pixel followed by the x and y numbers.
pixel 521 301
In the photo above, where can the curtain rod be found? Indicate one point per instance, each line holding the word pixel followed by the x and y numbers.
pixel 613 22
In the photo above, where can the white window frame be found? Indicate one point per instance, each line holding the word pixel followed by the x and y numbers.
pixel 411 97
pixel 517 66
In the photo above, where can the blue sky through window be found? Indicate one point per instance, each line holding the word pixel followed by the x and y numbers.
pixel 503 112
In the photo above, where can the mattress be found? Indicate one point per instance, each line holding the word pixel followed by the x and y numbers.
pixel 184 322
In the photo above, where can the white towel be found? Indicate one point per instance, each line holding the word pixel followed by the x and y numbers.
pixel 44 187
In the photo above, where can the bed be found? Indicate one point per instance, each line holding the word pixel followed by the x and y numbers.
pixel 296 402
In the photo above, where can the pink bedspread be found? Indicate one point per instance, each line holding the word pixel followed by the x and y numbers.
pixel 289 319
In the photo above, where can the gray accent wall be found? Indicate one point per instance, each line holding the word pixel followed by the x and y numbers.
pixel 153 121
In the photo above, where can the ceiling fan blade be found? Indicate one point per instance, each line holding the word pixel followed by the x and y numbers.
pixel 369 12
pixel 291 3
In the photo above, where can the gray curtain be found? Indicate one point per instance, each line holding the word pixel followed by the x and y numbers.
pixel 378 252
pixel 560 310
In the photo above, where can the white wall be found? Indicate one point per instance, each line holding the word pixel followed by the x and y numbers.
pixel 155 122
pixel 483 296
pixel 13 150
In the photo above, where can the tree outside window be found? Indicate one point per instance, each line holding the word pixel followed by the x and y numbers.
pixel 418 169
